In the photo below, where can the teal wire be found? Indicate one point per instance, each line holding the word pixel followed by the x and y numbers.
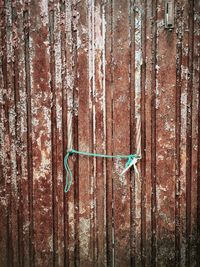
pixel 73 151
pixel 68 173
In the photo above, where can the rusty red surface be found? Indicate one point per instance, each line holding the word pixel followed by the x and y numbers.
pixel 104 77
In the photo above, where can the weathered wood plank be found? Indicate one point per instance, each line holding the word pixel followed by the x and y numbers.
pixel 27 188
pixel 98 100
pixel 41 133
pixel 109 130
pixel 138 131
pixel 121 132
pixel 195 92
pixel 11 92
pixel 153 134
pixel 84 178
pixel 148 123
pixel 165 145
pixel 105 77
pixel 3 142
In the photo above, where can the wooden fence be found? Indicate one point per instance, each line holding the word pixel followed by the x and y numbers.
pixel 107 77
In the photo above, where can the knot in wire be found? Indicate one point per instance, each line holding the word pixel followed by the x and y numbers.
pixel 132 160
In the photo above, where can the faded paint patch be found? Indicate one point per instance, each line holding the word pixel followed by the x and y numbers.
pixel 84 237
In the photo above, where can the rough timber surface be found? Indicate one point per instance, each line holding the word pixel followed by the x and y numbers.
pixel 102 76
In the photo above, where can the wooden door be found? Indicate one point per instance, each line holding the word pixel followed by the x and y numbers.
pixel 104 77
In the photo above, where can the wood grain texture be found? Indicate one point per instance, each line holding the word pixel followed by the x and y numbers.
pixel 103 77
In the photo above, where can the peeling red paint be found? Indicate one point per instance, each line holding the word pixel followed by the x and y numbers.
pixel 102 77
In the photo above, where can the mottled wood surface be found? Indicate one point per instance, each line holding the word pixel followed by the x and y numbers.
pixel 105 77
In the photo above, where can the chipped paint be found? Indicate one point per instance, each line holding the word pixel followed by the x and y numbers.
pixel 104 77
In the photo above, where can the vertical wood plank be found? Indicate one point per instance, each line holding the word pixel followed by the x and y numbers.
pixel 20 131
pixel 138 134
pixel 59 137
pixel 109 131
pixel 70 106
pixel 3 141
pixel 195 92
pixel 65 12
pixel 183 105
pixel 148 122
pixel 84 182
pixel 165 145
pixel 99 124
pixel 56 132
pixel 51 24
pixel 197 52
pixel 41 133
pixel 12 186
pixel 189 132
pixel 144 110
pixel 133 236
pixel 28 137
pixel 178 24
pixel 121 134
pixel 17 142
pixel 92 115
pixel 153 135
